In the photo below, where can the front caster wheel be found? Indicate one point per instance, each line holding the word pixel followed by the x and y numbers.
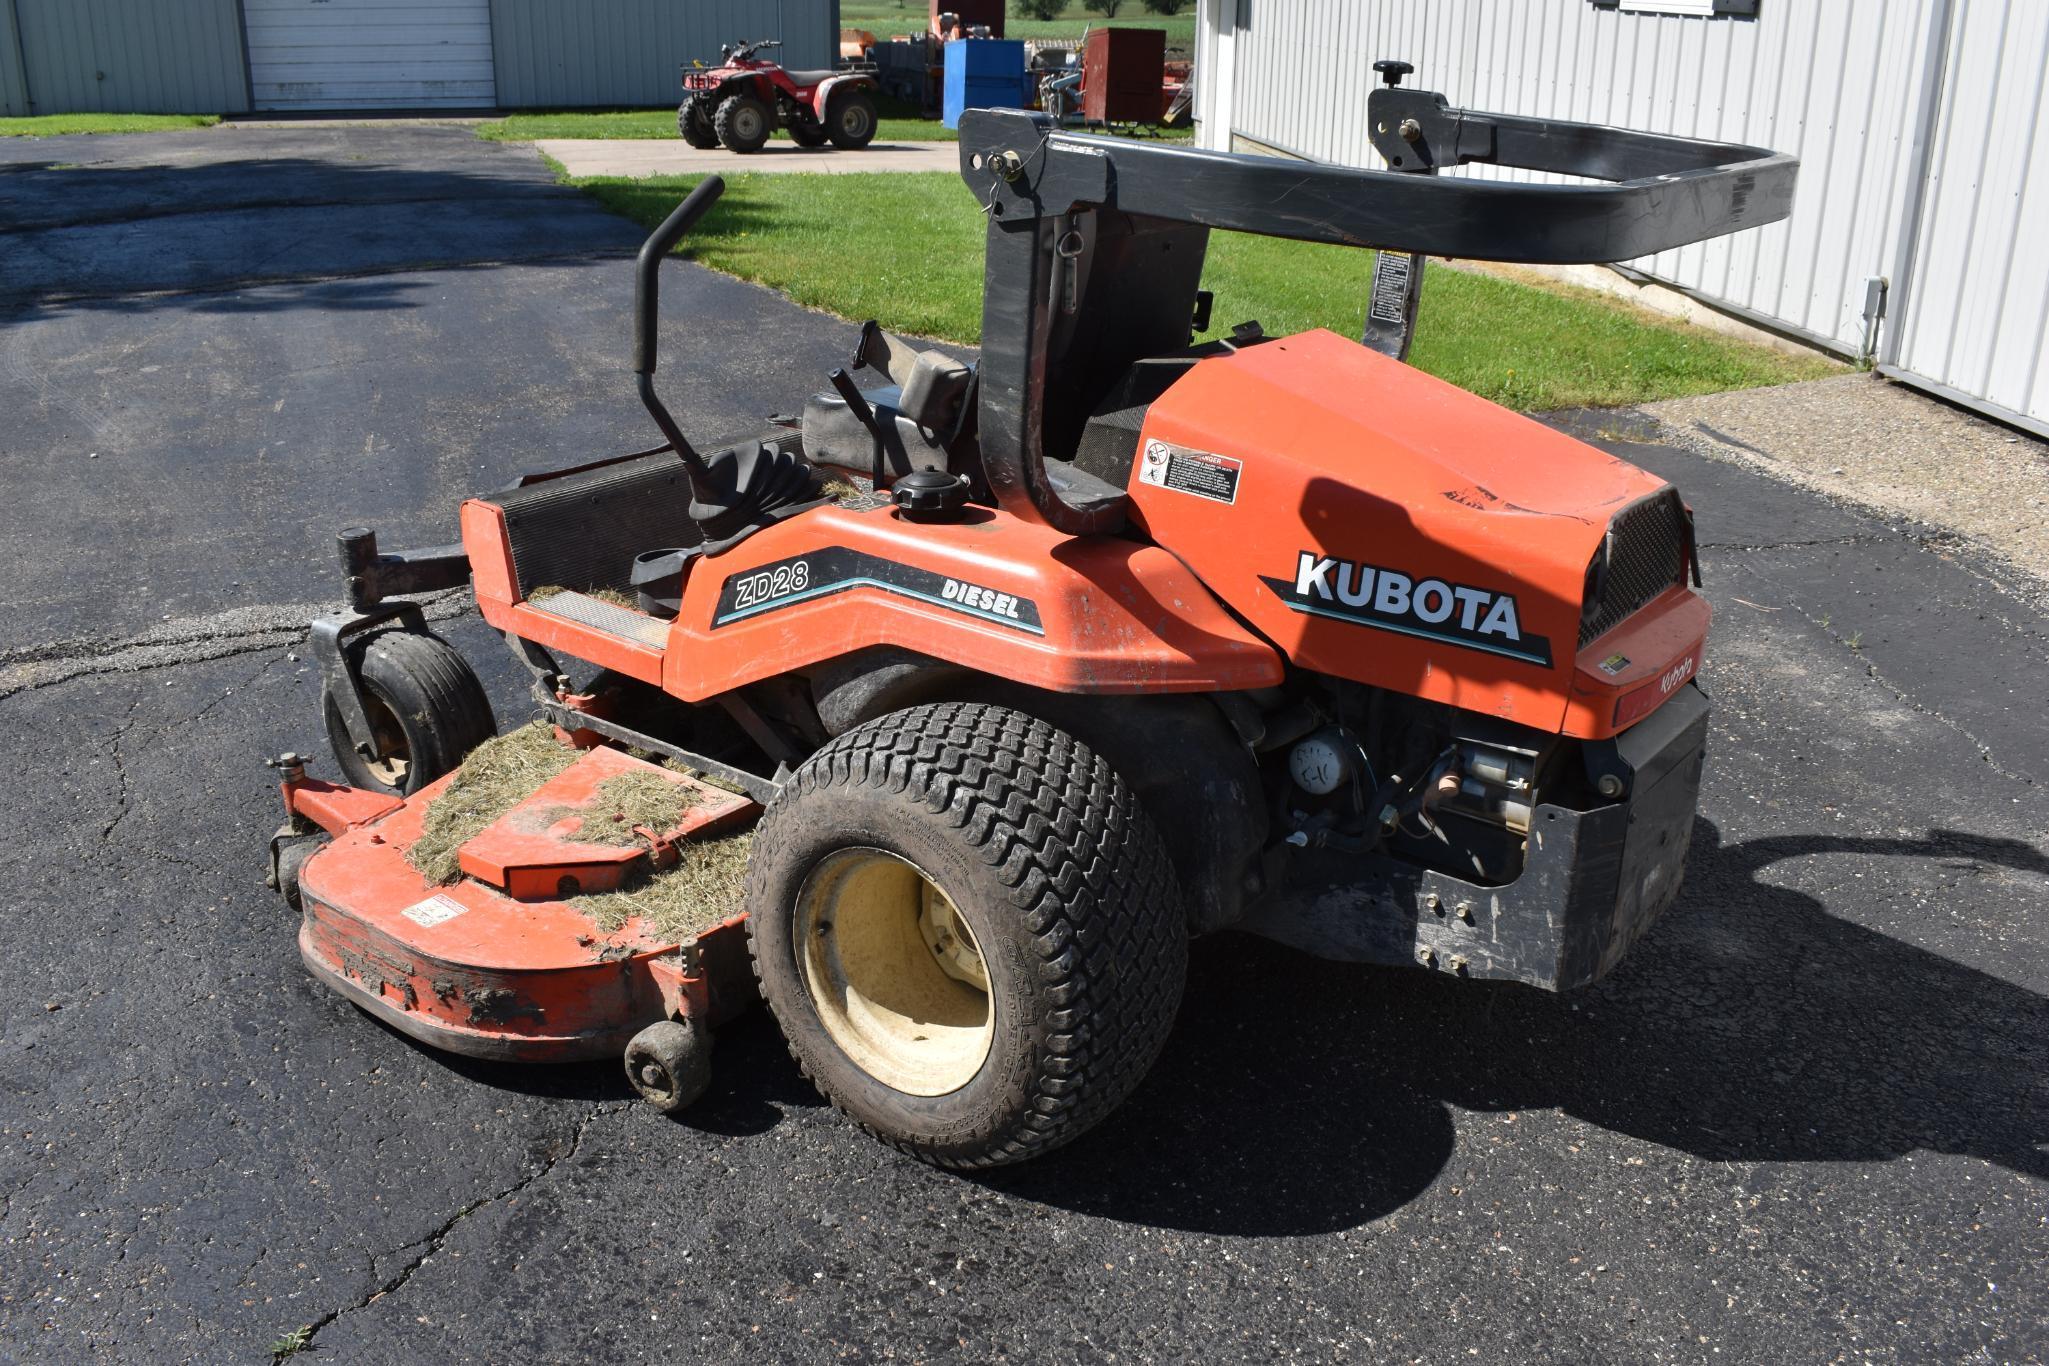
pixel 426 707
pixel 968 931
pixel 669 1063
pixel 288 860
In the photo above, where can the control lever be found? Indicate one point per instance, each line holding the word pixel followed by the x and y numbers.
pixel 843 384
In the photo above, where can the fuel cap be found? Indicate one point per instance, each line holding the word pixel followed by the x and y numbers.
pixel 929 495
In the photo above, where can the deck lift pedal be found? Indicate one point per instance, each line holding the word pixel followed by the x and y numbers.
pixel 1028 670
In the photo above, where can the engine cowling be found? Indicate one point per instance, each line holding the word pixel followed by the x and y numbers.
pixel 1381 525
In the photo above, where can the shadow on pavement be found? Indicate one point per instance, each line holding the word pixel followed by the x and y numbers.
pixel 1300 1096
pixel 132 235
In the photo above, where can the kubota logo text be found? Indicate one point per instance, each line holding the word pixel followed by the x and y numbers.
pixel 1676 675
pixel 1390 600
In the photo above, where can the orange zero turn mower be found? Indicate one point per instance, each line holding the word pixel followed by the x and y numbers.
pixel 1028 670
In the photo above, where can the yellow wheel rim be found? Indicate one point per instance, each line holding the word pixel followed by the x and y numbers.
pixel 894 972
pixel 394 757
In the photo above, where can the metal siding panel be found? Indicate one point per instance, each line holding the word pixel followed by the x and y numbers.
pixel 2020 375
pixel 1990 275
pixel 567 54
pixel 1950 197
pixel 13 80
pixel 131 56
pixel 1976 315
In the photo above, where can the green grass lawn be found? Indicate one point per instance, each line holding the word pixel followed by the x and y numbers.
pixel 906 249
pixel 885 17
pixel 52 125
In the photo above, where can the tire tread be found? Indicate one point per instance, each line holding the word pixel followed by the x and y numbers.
pixel 1086 872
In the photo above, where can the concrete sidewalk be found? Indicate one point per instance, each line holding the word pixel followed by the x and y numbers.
pixel 647 157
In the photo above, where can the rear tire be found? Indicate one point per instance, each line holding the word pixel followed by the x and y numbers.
pixel 968 931
pixel 695 127
pixel 806 133
pixel 850 121
pixel 743 123
pixel 425 704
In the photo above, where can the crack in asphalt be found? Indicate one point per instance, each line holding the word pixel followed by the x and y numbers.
pixel 121 796
pixel 1900 695
pixel 120 773
pixel 187 640
pixel 1858 538
pixel 438 1237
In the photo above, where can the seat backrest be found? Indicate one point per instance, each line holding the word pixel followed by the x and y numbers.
pixel 933 391
pixel 930 383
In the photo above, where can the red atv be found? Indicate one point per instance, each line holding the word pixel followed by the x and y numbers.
pixel 744 99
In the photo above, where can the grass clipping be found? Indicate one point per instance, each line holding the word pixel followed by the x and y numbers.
pixel 621 803
pixel 679 903
pixel 499 775
pixel 675 904
pixel 617 597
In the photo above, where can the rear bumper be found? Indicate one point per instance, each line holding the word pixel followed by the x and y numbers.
pixel 1592 883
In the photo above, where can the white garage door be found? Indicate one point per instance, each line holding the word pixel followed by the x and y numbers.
pixel 370 54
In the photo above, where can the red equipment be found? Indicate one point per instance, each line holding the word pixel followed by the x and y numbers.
pixel 1038 666
pixel 745 98
pixel 1123 75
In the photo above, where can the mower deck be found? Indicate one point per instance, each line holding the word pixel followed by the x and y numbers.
pixel 512 971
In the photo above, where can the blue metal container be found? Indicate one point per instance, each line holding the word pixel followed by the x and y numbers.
pixel 983 73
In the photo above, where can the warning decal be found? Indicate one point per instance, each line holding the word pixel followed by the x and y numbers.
pixel 1168 466
pixel 434 910
pixel 1390 301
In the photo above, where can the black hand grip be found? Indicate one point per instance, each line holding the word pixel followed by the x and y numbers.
pixel 647 270
pixel 865 415
pixel 856 403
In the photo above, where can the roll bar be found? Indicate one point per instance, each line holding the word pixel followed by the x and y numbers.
pixel 1044 190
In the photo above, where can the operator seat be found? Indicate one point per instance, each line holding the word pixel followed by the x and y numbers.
pixel 919 407
pixel 808 78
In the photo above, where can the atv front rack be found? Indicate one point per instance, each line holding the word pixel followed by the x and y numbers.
pixel 1053 320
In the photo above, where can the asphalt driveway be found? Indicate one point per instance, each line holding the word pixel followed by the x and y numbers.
pixel 1808 1119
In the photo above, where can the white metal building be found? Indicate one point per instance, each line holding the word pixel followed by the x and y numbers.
pixel 1921 125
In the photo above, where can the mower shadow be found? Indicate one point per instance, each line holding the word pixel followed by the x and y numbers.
pixel 753 1082
pixel 1300 1096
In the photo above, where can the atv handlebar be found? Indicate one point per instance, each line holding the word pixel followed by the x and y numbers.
pixel 647 300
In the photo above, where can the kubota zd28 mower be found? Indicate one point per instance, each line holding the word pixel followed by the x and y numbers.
pixel 1035 667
